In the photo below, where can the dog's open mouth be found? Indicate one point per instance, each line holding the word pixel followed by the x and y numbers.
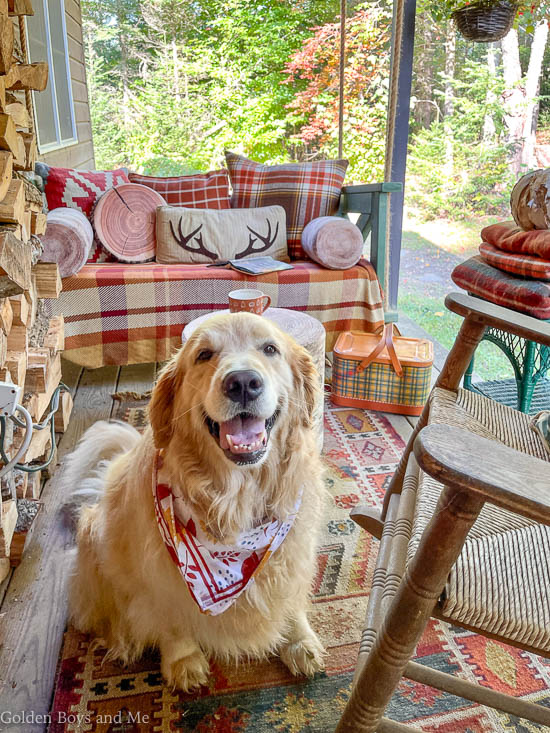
pixel 244 438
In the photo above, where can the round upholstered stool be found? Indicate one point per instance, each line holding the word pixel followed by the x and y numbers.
pixel 304 329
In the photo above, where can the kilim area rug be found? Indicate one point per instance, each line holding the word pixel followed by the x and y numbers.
pixel 361 451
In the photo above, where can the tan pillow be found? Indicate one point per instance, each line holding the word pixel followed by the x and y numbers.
pixel 206 235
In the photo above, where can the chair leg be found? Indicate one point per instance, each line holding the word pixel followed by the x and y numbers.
pixel 410 610
pixel 457 362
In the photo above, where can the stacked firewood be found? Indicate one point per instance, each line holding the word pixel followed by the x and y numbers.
pixel 30 343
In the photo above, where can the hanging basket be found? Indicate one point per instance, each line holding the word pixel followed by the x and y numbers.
pixel 485 23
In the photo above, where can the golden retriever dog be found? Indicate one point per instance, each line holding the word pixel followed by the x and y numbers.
pixel 231 420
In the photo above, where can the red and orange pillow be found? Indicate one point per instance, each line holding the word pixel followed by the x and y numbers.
pixel 197 191
pixel 306 191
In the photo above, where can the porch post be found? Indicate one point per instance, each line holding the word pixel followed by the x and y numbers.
pixel 404 12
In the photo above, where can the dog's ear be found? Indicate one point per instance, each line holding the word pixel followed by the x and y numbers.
pixel 162 403
pixel 306 379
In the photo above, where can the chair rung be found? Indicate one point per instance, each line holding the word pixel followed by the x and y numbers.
pixel 391 726
pixel 477 693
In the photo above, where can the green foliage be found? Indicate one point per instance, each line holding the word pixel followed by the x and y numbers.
pixel 453 170
pixel 173 83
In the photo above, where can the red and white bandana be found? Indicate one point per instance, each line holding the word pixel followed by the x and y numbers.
pixel 215 574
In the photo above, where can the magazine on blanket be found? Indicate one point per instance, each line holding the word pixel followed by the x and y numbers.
pixel 254 266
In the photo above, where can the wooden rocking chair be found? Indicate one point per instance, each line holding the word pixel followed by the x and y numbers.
pixel 464 535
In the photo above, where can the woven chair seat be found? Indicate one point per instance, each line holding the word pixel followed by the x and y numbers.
pixel 501 582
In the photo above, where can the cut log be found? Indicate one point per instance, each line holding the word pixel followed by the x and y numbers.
pixel 19 113
pixel 16 367
pixel 28 76
pixel 33 197
pixel 40 443
pixel 63 413
pixel 3 7
pixel 15 229
pixel 55 338
pixel 6 315
pixel 12 207
pixel 32 300
pixel 21 483
pixel 50 470
pixel 27 509
pixel 20 309
pixel 38 223
pixel 6 169
pixel 47 280
pixel 29 142
pixel 15 265
pixel 26 227
pixel 20 7
pixel 3 349
pixel 8 134
pixel 34 485
pixel 20 158
pixel 6 44
pixel 38 367
pixel 18 341
pixel 36 403
pixel 7 526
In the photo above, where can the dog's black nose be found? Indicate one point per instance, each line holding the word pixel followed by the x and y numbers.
pixel 243 386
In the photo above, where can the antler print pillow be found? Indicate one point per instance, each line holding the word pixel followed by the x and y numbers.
pixel 196 236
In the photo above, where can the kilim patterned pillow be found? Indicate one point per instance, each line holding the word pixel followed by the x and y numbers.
pixel 517 264
pixel 304 190
pixel 200 191
pixel 77 189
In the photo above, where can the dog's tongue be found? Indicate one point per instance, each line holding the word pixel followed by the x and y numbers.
pixel 239 431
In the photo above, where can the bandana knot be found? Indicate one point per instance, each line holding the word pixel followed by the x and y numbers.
pixel 215 574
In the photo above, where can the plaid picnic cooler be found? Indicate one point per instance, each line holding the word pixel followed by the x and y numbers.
pixel 382 371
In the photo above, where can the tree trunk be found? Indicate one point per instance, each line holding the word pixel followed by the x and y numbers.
pixel 123 45
pixel 448 105
pixel 532 85
pixel 519 98
pixel 175 64
pixel 423 112
pixel 488 123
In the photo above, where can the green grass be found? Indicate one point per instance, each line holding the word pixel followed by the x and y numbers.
pixel 442 325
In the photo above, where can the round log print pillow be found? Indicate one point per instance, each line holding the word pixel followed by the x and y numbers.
pixel 67 240
pixel 124 221
pixel 530 200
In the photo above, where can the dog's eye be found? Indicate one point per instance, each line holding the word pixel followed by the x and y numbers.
pixel 270 349
pixel 204 355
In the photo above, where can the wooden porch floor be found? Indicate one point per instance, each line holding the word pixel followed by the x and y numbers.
pixel 33 598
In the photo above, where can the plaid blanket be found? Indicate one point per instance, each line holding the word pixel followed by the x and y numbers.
pixel 517 264
pixel 130 314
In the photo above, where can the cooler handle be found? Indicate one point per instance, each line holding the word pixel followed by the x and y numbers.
pixel 386 340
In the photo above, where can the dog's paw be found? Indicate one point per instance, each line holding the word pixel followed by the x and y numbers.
pixel 187 673
pixel 305 656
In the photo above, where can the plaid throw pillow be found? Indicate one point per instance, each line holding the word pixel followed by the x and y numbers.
pixel 517 264
pixel 527 296
pixel 200 191
pixel 304 190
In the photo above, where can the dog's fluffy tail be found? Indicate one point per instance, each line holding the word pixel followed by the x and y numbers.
pixel 83 475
